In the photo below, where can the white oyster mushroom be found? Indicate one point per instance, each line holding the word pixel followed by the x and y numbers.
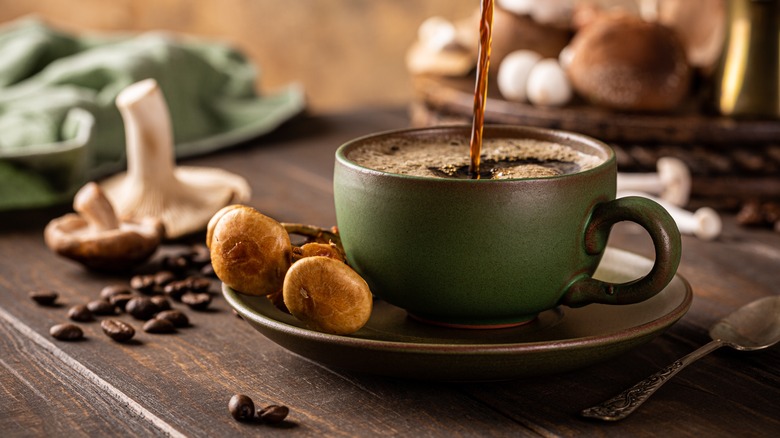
pixel 548 84
pixel 513 72
pixel 184 198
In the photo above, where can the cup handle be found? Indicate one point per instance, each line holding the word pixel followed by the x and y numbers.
pixel 666 240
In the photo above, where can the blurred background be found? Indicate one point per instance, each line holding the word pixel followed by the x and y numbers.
pixel 346 53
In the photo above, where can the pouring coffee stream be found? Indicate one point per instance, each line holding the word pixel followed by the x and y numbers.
pixel 752 327
pixel 480 89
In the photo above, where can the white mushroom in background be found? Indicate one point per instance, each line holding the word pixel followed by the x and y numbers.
pixel 548 85
pixel 513 74
pixel 438 50
pixel 704 223
pixel 672 181
pixel 184 198
pixel 541 11
pixel 524 76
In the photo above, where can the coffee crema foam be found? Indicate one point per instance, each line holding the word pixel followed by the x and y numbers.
pixel 502 158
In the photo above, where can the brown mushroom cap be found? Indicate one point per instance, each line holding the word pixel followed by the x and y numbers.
pixel 327 295
pixel 625 63
pixel 96 238
pixel 250 252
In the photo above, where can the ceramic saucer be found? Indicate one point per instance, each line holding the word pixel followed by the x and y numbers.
pixel 559 340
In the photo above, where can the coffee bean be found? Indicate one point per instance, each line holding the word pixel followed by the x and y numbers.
pixel 176 263
pixel 121 300
pixel 241 407
pixel 142 308
pixel 176 289
pixel 161 302
pixel 162 278
pixel 101 307
pixel 117 330
pixel 198 284
pixel 44 297
pixel 66 332
pixel 143 283
pixel 80 313
pixel 199 255
pixel 196 301
pixel 114 289
pixel 156 325
pixel 176 317
pixel 273 414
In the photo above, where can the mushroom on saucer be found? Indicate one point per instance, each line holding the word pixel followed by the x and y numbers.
pixel 183 197
pixel 96 238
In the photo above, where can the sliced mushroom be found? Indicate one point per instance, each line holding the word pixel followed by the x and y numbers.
pixel 96 238
pixel 183 197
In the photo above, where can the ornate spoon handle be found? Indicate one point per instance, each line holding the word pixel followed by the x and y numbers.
pixel 623 404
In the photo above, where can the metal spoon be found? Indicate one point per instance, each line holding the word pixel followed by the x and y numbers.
pixel 751 327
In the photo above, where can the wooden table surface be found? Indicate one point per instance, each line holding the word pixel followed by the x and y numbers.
pixel 180 384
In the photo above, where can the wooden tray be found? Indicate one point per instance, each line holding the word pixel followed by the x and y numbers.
pixel 455 97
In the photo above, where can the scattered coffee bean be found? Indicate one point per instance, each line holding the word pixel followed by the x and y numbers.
pixel 142 308
pixel 101 307
pixel 163 278
pixel 156 325
pixel 120 301
pixel 115 289
pixel 198 284
pixel 196 301
pixel 176 289
pixel 44 297
pixel 117 330
pixel 143 283
pixel 66 332
pixel 199 255
pixel 273 414
pixel 161 302
pixel 208 271
pixel 241 407
pixel 176 317
pixel 176 263
pixel 80 313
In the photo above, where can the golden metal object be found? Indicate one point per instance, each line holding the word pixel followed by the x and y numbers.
pixel 747 81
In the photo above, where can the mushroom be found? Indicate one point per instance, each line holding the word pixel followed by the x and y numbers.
pixel 327 295
pixel 250 252
pixel 96 238
pixel 183 197
pixel 548 85
pixel 512 32
pixel 704 223
pixel 513 74
pixel 624 63
pixel 672 182
pixel 438 50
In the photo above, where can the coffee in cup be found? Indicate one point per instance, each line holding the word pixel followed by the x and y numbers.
pixel 468 252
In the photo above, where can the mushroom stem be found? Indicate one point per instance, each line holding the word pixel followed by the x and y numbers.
pixel 148 129
pixel 672 181
pixel 318 234
pixel 94 207
pixel 704 223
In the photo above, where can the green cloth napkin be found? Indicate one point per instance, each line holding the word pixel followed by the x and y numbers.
pixel 59 125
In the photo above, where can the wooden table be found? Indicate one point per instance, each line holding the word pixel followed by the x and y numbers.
pixel 180 384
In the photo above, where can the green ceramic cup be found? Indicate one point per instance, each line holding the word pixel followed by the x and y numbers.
pixel 493 253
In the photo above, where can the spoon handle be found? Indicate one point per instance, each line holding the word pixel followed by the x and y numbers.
pixel 623 404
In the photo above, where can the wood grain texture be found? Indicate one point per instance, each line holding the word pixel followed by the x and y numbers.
pixel 181 383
